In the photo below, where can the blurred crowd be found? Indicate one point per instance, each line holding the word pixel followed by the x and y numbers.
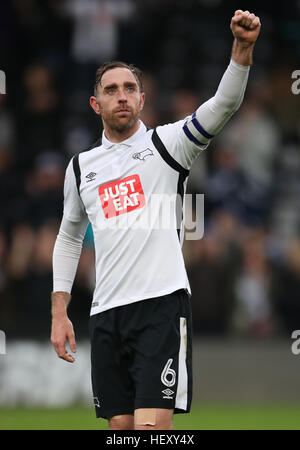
pixel 245 272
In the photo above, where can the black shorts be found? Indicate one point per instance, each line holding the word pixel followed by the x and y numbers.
pixel 141 356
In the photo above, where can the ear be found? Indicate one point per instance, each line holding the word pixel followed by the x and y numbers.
pixel 95 105
pixel 142 101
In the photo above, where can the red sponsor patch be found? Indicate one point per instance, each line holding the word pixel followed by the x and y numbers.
pixel 122 196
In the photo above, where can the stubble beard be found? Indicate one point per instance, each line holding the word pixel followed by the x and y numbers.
pixel 120 124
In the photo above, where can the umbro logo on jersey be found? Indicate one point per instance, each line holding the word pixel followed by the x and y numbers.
pixel 91 176
pixel 143 154
pixel 168 394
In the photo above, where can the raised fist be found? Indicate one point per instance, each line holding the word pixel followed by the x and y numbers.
pixel 245 26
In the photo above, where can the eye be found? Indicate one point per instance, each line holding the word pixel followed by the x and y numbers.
pixel 130 89
pixel 111 91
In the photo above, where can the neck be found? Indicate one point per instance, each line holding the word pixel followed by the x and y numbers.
pixel 120 136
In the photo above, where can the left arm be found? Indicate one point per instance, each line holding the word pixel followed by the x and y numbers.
pixel 195 133
pixel 214 113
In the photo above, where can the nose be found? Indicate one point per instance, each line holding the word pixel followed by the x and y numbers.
pixel 122 96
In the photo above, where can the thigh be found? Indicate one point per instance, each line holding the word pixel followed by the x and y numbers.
pixel 162 364
pixel 112 385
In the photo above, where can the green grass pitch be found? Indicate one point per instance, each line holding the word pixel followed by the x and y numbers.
pixel 204 417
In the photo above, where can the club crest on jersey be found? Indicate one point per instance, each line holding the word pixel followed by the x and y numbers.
pixel 143 154
pixel 122 196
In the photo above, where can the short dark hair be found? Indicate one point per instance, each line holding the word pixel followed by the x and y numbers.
pixel 114 65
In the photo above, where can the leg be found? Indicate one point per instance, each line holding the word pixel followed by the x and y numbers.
pixel 161 367
pixel 153 419
pixel 113 388
pixel 121 422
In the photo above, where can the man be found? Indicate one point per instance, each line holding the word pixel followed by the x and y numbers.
pixel 140 324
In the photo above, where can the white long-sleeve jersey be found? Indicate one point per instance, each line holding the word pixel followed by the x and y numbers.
pixel 123 190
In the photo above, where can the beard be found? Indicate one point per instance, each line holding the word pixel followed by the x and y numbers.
pixel 117 121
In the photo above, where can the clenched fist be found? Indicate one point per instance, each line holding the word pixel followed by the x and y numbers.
pixel 245 27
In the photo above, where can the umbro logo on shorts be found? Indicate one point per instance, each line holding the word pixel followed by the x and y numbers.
pixel 143 154
pixel 168 394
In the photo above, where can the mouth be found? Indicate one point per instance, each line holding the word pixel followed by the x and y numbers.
pixel 122 114
pixel 122 111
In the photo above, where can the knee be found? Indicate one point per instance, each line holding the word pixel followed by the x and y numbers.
pixel 153 419
pixel 121 422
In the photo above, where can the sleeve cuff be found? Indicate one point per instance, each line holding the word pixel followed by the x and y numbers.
pixel 239 66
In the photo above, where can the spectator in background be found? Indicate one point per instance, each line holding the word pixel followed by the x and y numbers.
pixel 253 314
pixel 285 287
pixel 26 265
pixel 151 112
pixel 94 38
pixel 184 101
pixel 285 217
pixel 95 35
pixel 17 265
pixel 255 137
pixel 234 207
pixel 229 187
pixel 283 242
pixel 32 236
pixel 284 105
pixel 44 188
pixel 40 33
pixel 7 127
pixel 40 115
pixel 11 177
pixel 212 263
pixel 3 249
